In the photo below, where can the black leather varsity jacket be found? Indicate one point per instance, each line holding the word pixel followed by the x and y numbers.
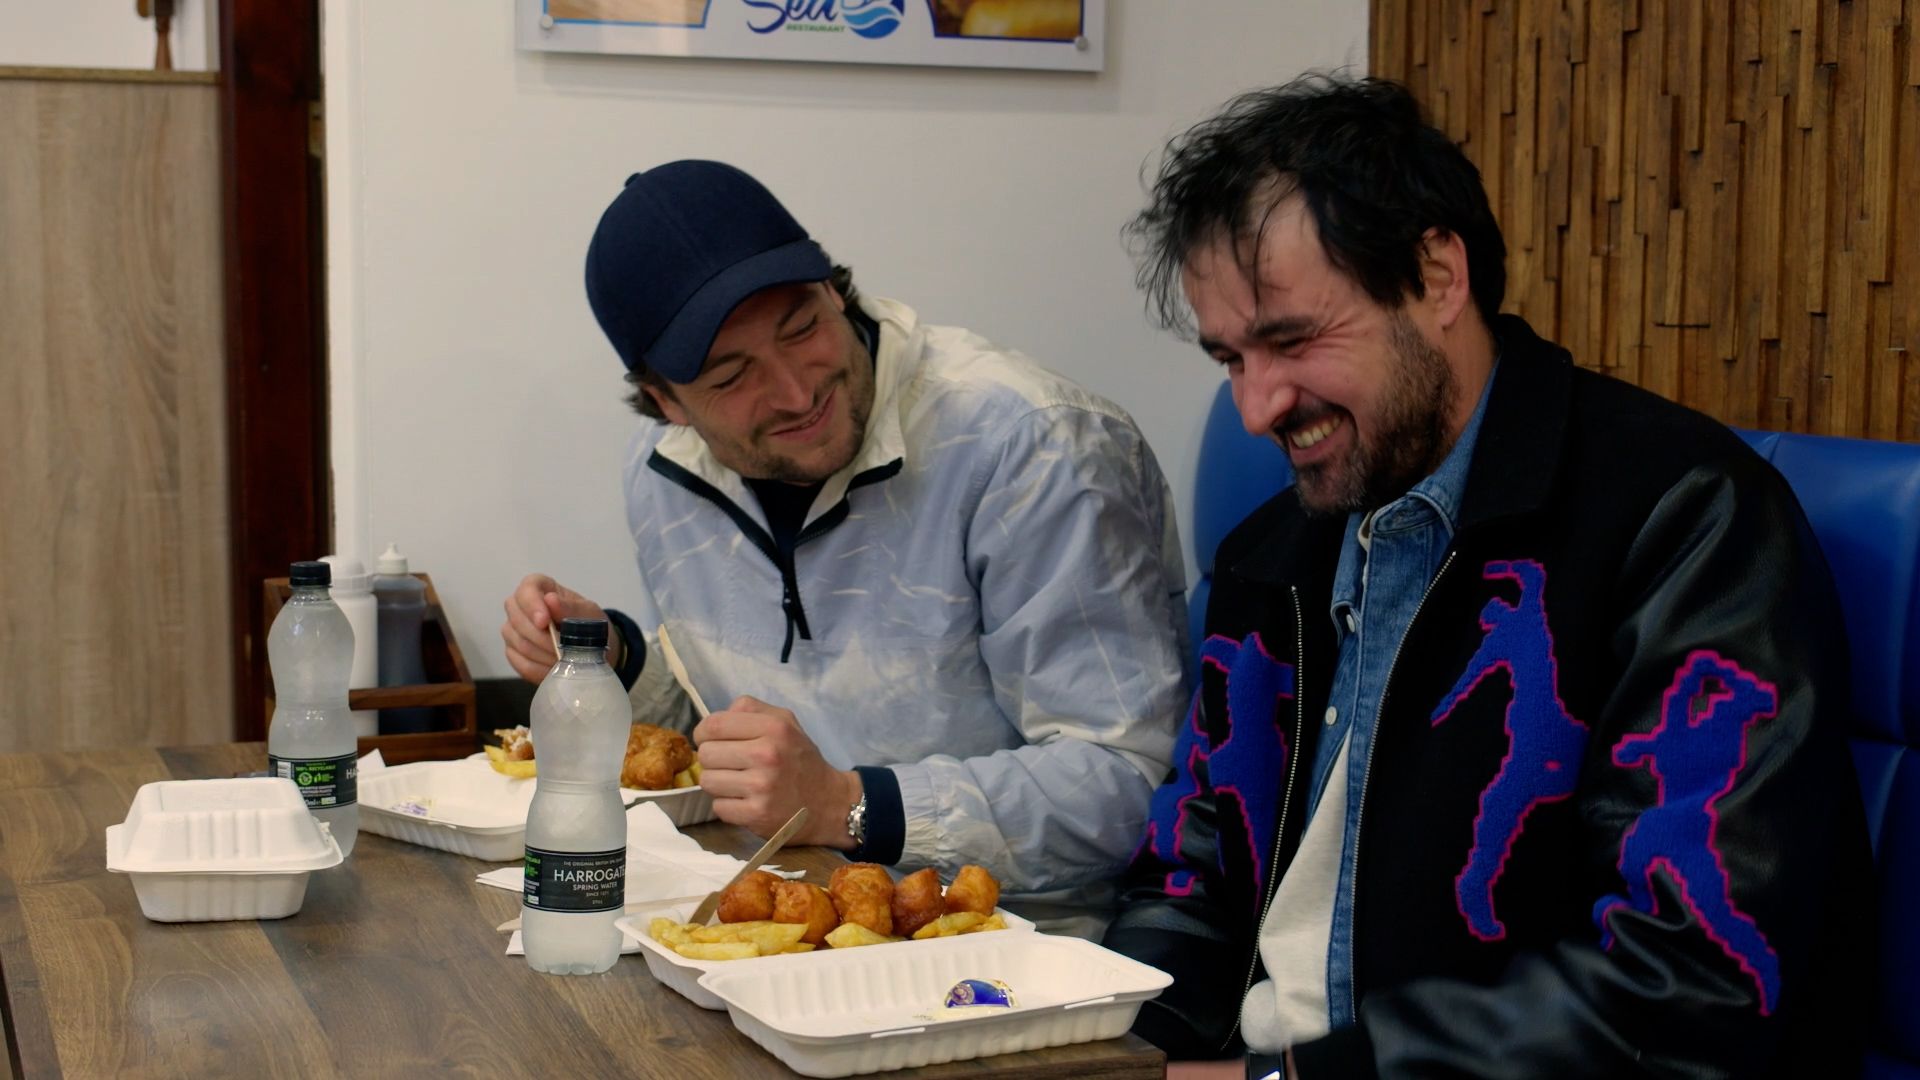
pixel 1609 827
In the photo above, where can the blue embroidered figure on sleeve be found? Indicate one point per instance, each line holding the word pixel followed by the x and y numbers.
pixel 1545 743
pixel 1249 686
pixel 1696 754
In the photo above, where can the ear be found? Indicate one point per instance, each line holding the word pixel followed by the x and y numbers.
pixel 668 405
pixel 1443 272
pixel 839 302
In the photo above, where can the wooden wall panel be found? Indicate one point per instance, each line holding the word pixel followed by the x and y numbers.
pixel 1719 203
pixel 114 608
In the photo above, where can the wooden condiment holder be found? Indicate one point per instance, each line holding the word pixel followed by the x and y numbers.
pixel 450 695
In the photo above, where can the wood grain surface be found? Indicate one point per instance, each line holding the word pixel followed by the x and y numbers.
pixel 391 967
pixel 114 612
pixel 1713 201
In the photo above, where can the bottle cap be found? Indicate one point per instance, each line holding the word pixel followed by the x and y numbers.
pixel 307 574
pixel 584 633
pixel 390 560
pixel 348 575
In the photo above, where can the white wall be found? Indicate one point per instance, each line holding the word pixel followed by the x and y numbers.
pixel 476 407
pixel 103 34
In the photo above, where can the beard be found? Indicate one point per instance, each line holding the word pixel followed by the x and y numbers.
pixel 1411 439
pixel 756 459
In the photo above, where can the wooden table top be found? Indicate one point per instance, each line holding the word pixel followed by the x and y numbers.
pixel 391 967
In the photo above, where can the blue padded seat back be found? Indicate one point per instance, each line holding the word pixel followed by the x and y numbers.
pixel 1235 474
pixel 1863 498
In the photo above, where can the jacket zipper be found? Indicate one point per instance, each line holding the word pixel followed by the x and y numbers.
pixel 790 603
pixel 1280 826
pixel 1386 688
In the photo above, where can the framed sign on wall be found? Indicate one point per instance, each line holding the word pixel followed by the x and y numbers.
pixel 1060 35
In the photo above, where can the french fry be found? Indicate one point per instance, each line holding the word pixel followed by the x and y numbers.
pixel 799 947
pixel 991 922
pixel 497 758
pixel 853 935
pixel 768 937
pixel 718 950
pixel 669 932
pixel 950 925
pixel 689 776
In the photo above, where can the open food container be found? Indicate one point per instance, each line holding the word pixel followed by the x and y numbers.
pixel 204 850
pixel 849 1011
pixel 449 806
pixel 683 806
pixel 682 974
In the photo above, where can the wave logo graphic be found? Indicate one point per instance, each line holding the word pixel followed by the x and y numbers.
pixel 873 18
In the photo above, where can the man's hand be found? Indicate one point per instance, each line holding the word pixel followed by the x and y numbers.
pixel 760 767
pixel 539 603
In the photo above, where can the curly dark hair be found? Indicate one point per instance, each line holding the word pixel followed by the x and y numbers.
pixel 840 277
pixel 1374 175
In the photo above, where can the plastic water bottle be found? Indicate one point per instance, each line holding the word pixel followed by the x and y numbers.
pixel 310 740
pixel 576 868
pixel 401 601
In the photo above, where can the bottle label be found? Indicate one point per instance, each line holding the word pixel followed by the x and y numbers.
pixel 326 783
pixel 575 880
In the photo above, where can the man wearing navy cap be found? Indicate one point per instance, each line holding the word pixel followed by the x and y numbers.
pixel 939 585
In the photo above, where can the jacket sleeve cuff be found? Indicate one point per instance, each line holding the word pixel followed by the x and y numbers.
pixel 1343 1053
pixel 886 817
pixel 634 660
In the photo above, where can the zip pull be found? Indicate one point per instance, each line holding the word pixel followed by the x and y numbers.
pixel 790 605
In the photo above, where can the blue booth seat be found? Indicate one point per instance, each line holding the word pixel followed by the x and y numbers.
pixel 1863 498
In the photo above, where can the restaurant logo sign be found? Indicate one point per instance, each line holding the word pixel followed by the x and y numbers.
pixel 867 18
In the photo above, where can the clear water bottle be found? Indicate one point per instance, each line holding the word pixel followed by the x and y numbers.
pixel 576 864
pixel 310 740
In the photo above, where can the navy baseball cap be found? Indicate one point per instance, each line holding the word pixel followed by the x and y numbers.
pixel 680 247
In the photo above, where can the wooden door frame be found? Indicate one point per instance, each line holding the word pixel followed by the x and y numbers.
pixel 278 495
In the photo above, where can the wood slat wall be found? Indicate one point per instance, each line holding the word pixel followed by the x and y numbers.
pixel 114 608
pixel 1720 203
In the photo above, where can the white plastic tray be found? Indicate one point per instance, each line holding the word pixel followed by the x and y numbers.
pixel 683 806
pixel 682 974
pixel 450 806
pixel 467 808
pixel 204 850
pixel 840 1013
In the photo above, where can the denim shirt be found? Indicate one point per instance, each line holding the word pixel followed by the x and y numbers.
pixel 1389 557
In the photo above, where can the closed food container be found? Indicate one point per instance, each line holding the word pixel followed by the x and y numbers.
pixel 843 1012
pixel 205 850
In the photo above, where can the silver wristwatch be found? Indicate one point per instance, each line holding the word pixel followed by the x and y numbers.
pixel 857 821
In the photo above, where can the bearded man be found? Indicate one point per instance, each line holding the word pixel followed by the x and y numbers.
pixel 1517 746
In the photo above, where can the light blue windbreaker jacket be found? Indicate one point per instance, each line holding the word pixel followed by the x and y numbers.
pixel 989 600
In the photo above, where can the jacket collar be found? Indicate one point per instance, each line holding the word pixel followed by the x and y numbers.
pixel 896 361
pixel 1515 461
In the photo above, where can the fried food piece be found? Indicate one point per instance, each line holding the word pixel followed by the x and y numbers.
pixel 516 742
pixel 863 893
pixel 750 899
pixel 809 905
pixel 917 901
pixel 654 755
pixel 974 890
